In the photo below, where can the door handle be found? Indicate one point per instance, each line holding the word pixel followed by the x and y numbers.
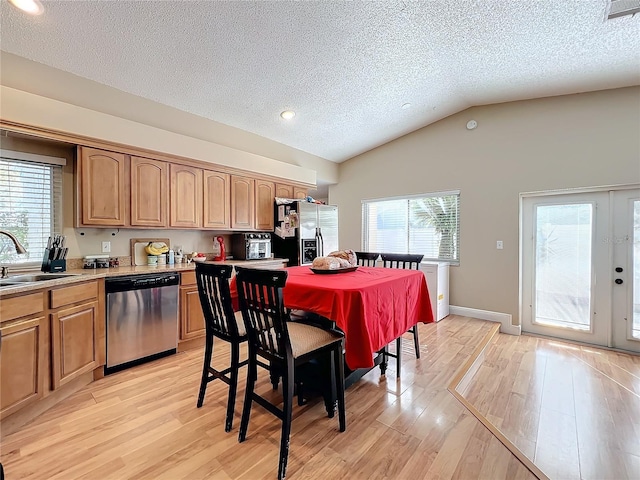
pixel 619 281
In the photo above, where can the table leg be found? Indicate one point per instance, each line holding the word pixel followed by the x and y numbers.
pixel 385 354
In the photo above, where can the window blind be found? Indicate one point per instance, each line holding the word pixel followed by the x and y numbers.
pixel 30 207
pixel 427 224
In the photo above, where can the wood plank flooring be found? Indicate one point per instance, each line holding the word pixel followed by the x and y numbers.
pixel 573 410
pixel 143 423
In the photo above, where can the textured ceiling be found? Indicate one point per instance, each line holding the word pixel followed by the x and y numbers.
pixel 345 68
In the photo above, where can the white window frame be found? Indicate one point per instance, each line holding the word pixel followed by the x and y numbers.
pixel 365 225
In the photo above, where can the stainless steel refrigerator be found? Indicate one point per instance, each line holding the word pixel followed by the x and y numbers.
pixel 316 234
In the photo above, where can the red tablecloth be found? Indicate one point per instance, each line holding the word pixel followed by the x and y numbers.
pixel 372 306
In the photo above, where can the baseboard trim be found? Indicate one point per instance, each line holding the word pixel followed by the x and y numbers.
pixel 504 319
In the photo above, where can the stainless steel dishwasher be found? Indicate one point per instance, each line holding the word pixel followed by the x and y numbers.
pixel 142 318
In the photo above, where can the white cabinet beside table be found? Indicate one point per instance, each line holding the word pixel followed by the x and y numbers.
pixel 437 274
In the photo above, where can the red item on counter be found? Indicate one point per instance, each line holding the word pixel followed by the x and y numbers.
pixel 222 256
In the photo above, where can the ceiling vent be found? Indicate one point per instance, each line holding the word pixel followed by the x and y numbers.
pixel 620 8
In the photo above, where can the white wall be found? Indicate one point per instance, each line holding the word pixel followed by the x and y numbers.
pixel 584 140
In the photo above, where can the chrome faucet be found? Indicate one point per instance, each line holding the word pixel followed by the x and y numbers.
pixel 4 271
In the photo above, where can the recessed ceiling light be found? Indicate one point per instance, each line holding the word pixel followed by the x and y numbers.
pixel 32 7
pixel 288 114
pixel 406 105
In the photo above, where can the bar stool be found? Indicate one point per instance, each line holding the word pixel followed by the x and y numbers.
pixel 284 344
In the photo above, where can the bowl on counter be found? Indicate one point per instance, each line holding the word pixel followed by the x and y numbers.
pixel 199 259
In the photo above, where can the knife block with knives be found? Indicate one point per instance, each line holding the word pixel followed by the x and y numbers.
pixel 55 255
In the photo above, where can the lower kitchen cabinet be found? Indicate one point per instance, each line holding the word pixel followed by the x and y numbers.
pixel 192 324
pixel 74 348
pixel 22 364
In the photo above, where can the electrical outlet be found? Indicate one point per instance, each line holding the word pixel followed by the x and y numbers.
pixel 106 247
pixel 499 245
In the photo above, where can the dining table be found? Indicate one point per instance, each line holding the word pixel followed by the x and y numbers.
pixel 372 305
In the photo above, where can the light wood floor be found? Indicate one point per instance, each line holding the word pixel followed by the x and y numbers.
pixel 573 410
pixel 143 423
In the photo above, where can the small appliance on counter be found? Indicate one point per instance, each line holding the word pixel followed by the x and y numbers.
pixel 96 261
pixel 251 246
pixel 218 250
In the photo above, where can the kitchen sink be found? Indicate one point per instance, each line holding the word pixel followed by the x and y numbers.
pixel 30 278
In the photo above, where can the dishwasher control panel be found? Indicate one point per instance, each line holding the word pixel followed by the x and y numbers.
pixel 137 282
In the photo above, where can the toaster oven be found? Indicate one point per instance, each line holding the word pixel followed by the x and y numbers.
pixel 251 246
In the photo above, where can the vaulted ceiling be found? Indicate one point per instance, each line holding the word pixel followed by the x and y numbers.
pixel 345 68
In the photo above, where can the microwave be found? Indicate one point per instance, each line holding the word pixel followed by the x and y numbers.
pixel 251 246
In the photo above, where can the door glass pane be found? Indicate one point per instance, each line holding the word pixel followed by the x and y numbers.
pixel 635 264
pixel 563 265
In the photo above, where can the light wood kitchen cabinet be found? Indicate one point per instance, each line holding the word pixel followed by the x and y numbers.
pixel 242 202
pixel 22 364
pixel 290 191
pixel 74 348
pixel 300 193
pixel 77 331
pixel 185 196
pixel 264 205
pixel 216 200
pixel 192 323
pixel 104 188
pixel 284 191
pixel 149 192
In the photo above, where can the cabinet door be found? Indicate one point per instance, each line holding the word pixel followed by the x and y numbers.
pixel 22 365
pixel 264 205
pixel 186 197
pixel 284 191
pixel 242 202
pixel 299 192
pixel 74 349
pixel 191 317
pixel 104 192
pixel 149 199
pixel 217 200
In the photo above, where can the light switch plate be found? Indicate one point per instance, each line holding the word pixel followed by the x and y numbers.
pixel 106 247
pixel 499 245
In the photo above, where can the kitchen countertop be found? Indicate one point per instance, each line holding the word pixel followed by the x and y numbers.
pixel 82 275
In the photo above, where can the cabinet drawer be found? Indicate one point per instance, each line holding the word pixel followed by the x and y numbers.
pixel 21 306
pixel 76 293
pixel 188 278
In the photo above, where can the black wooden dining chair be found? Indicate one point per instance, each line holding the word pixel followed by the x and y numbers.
pixel 367 259
pixel 285 344
pixel 406 261
pixel 220 322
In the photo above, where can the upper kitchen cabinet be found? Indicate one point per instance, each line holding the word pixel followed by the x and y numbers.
pixel 264 205
pixel 300 193
pixel 284 191
pixel 149 192
pixel 185 196
pixel 103 188
pixel 242 202
pixel 217 200
pixel 290 191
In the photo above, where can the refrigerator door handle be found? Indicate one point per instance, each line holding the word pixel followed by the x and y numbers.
pixel 320 242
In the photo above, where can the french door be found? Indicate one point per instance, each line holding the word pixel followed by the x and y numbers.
pixel 581 267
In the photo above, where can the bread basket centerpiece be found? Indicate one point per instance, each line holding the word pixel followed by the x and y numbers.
pixel 340 261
